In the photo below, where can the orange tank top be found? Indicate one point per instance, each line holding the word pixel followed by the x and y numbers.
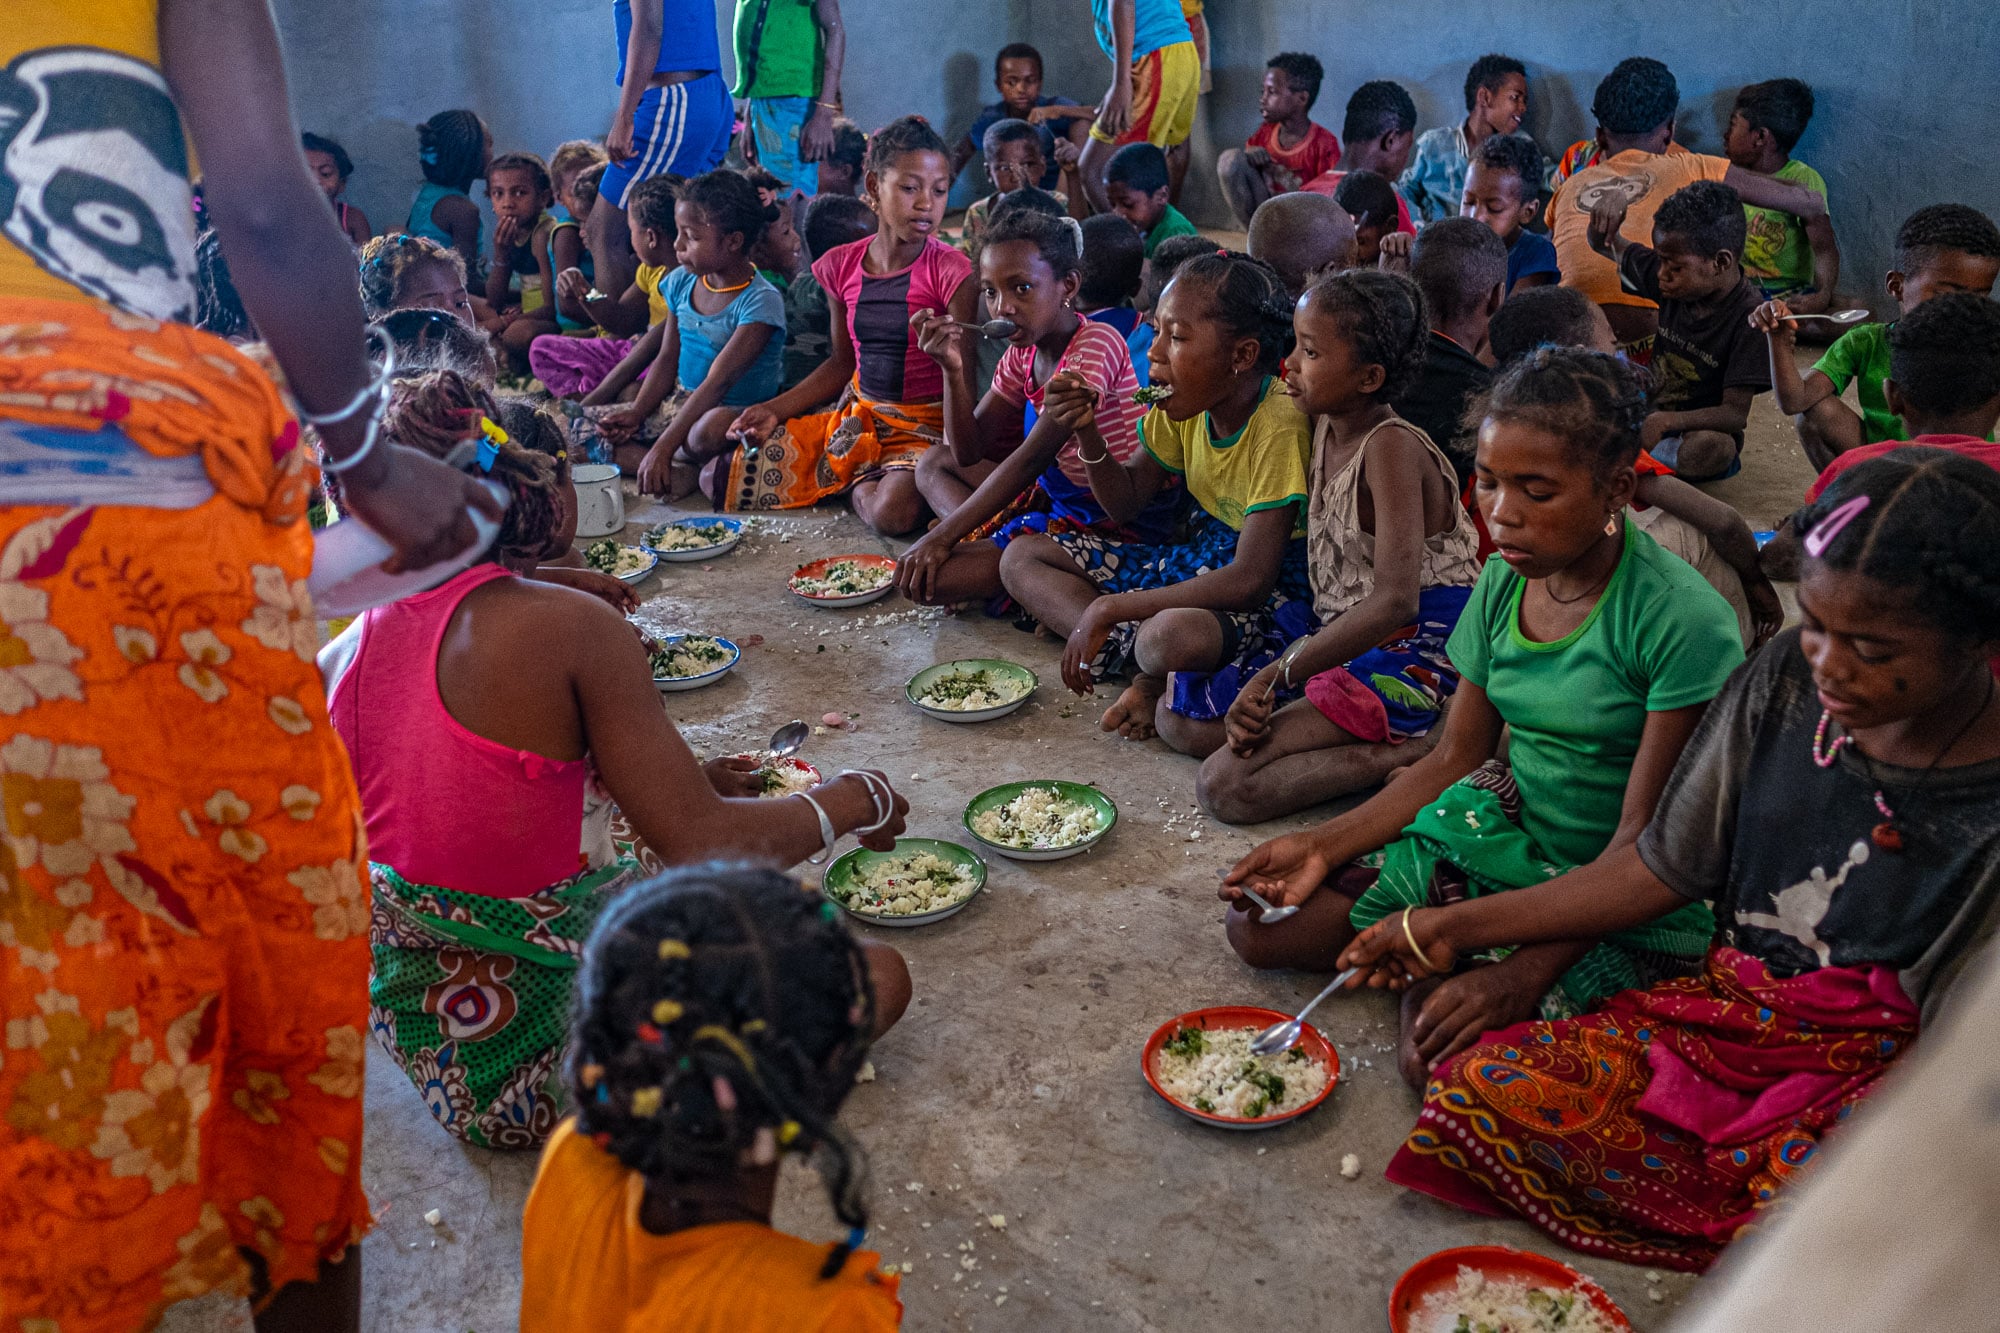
pixel 94 165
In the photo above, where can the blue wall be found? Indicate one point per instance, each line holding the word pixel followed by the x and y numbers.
pixel 1905 112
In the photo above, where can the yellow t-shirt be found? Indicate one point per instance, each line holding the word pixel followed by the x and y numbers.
pixel 649 278
pixel 588 1266
pixel 1262 466
pixel 91 69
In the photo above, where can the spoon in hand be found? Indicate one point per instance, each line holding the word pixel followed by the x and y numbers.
pixel 1270 915
pixel 1832 317
pixel 995 329
pixel 1281 1037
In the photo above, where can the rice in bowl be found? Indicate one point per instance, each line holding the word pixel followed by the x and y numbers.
pixel 1039 819
pixel 911 884
pixel 1213 1071
pixel 972 691
pixel 685 658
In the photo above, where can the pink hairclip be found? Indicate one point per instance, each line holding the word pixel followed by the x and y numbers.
pixel 1829 527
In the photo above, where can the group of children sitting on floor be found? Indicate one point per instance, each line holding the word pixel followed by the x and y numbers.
pixel 1406 517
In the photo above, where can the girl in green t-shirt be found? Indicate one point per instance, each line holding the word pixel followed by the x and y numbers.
pixel 1600 652
pixel 1231 591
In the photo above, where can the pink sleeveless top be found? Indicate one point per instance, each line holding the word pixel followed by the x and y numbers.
pixel 445 806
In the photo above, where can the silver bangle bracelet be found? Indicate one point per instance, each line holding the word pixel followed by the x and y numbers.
pixel 827 837
pixel 881 794
pixel 377 390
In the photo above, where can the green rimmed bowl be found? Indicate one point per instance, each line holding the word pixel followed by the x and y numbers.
pixel 998 668
pixel 988 801
pixel 847 870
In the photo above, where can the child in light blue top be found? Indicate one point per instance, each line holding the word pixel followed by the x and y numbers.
pixel 722 343
pixel 453 148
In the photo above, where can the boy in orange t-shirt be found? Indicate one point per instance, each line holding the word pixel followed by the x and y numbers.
pixel 721 1016
pixel 1635 108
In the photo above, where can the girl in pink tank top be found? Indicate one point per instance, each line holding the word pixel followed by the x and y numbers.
pixel 475 715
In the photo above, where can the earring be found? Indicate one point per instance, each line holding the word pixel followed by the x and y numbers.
pixel 1611 526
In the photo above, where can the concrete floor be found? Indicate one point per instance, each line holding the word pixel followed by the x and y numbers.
pixel 1013 1087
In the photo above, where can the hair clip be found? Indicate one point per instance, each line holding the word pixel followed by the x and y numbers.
pixel 674 949
pixel 492 429
pixel 666 1011
pixel 603 1093
pixel 1830 527
pixel 488 455
pixel 646 1103
pixel 647 1032
pixel 788 1132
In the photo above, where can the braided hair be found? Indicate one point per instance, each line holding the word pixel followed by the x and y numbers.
pixel 451 148
pixel 729 201
pixel 1594 403
pixel 1930 527
pixel 723 973
pixel 389 262
pixel 1249 300
pixel 1058 240
pixel 437 412
pixel 1384 316
pixel 907 134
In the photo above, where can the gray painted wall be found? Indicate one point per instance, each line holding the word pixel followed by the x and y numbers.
pixel 1901 121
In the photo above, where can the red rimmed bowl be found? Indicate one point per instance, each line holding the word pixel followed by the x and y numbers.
pixel 1223 1018
pixel 1438 1273
pixel 818 568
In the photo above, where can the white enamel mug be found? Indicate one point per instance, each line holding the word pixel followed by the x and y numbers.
pixel 600 504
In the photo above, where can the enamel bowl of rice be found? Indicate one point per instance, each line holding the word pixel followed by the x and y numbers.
pixel 627 564
pixel 690 661
pixel 1040 821
pixel 844 580
pixel 687 540
pixel 1200 1064
pixel 973 690
pixel 922 881
pixel 1499 1289
pixel 784 776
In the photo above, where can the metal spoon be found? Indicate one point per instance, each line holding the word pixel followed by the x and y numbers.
pixel 995 329
pixel 789 739
pixel 1281 1037
pixel 1270 916
pixel 1832 317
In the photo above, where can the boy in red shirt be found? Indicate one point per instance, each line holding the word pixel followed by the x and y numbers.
pixel 1288 149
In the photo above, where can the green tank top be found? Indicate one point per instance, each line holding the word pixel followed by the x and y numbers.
pixel 778 49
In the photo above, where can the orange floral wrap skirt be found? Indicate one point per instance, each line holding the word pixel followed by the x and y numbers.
pixel 183 896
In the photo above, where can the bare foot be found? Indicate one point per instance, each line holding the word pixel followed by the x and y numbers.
pixel 1132 716
pixel 684 480
pixel 1415 1071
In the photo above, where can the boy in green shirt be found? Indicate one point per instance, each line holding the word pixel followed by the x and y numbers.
pixel 1939 249
pixel 1136 184
pixel 1778 254
pixel 788 59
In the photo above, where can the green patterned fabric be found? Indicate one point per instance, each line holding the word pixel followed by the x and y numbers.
pixel 1465 843
pixel 470 995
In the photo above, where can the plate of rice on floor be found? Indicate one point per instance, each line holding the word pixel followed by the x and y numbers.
pixel 784 776
pixel 1040 821
pixel 686 540
pixel 690 661
pixel 845 580
pixel 628 564
pixel 974 690
pixel 1499 1289
pixel 922 881
pixel 1200 1064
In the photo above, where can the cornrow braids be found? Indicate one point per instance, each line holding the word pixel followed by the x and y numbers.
pixel 1594 403
pixel 1929 526
pixel 388 262
pixel 1249 300
pixel 451 148
pixel 723 974
pixel 437 412
pixel 652 201
pixel 907 134
pixel 1058 240
pixel 729 201
pixel 537 171
pixel 1385 317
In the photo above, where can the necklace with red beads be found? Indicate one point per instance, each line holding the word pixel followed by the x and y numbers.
pixel 1885 834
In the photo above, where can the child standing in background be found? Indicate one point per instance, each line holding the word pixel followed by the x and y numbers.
pixel 1496 102
pixel 888 412
pixel 519 186
pixel 1635 106
pixel 453 148
pixel 1503 190
pixel 1940 249
pixel 1136 189
pixel 1287 149
pixel 722 344
pixel 789 56
pixel 1017 77
pixel 1377 135
pixel 1778 255
pixel 1706 361
pixel 331 166
pixel 1232 591
pixel 1155 83
pixel 573 367
pixel 722 1017
pixel 1393 560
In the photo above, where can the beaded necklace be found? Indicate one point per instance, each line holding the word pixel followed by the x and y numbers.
pixel 1885 834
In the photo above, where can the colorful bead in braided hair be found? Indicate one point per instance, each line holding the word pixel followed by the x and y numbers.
pixel 389 262
pixel 719 1007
